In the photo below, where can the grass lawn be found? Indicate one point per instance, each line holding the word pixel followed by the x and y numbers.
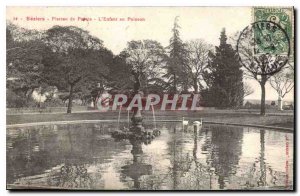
pixel 214 116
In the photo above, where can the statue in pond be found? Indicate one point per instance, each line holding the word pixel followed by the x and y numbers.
pixel 137 81
pixel 137 118
pixel 136 130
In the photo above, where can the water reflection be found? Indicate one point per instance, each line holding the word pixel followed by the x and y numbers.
pixel 262 178
pixel 260 170
pixel 73 176
pixel 137 168
pixel 225 155
pixel 86 157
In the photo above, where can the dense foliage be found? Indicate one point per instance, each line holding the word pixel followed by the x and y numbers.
pixel 64 64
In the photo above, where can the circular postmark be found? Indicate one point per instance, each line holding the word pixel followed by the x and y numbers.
pixel 263 47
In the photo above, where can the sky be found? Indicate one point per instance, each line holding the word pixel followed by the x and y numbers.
pixel 153 23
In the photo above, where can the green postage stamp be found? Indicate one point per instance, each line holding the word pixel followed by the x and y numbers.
pixel 280 17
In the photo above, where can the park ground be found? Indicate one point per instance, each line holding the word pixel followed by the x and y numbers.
pixel 245 117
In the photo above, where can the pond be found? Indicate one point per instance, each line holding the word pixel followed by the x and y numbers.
pixel 85 156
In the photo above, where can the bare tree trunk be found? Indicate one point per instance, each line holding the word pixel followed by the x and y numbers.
pixel 137 82
pixel 196 88
pixel 29 94
pixel 174 84
pixel 280 98
pixel 263 95
pixel 69 110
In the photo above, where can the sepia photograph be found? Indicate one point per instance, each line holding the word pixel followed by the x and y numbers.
pixel 150 98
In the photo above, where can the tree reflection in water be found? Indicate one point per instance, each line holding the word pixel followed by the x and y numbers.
pixel 73 173
pixel 200 171
pixel 222 148
pixel 258 176
pixel 86 157
pixel 226 149
pixel 186 171
pixel 74 176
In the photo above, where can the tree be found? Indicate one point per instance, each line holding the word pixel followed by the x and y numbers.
pixel 145 59
pixel 25 51
pixel 282 82
pixel 120 78
pixel 76 59
pixel 44 93
pixel 248 90
pixel 260 57
pixel 176 61
pixel 102 78
pixel 261 79
pixel 197 61
pixel 225 77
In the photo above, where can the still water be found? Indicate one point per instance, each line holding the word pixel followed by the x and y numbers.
pixel 84 156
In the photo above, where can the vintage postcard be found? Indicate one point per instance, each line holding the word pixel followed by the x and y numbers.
pixel 150 98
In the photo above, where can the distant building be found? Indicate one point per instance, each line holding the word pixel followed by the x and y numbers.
pixel 268 102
